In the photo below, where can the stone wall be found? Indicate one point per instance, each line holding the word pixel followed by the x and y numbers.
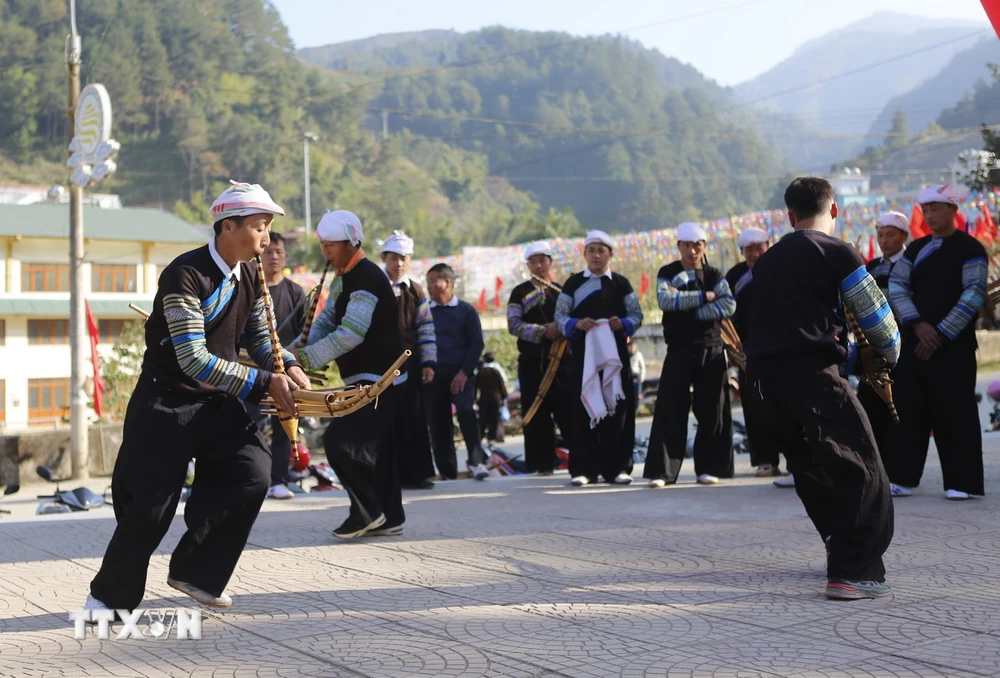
pixel 21 453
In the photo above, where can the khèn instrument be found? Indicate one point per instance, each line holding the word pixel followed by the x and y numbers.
pixel 556 352
pixel 734 347
pixel 879 379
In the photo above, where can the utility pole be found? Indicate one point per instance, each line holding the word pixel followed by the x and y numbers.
pixel 79 444
pixel 385 124
pixel 306 138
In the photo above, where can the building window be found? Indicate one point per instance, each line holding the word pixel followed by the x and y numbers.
pixel 54 331
pixel 48 400
pixel 110 331
pixel 3 331
pixel 112 278
pixel 45 277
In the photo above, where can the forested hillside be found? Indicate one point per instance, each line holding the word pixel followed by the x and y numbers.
pixel 208 90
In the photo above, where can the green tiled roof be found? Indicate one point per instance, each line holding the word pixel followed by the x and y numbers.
pixel 133 223
pixel 59 308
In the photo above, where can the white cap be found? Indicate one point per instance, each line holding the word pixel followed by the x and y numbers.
pixel 945 193
pixel 599 237
pixel 540 247
pixel 691 231
pixel 398 243
pixel 340 225
pixel 242 199
pixel 752 236
pixel 894 219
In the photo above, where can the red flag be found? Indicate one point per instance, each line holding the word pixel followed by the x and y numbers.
pixel 960 222
pixel 986 228
pixel 643 285
pixel 871 248
pixel 992 8
pixel 918 227
pixel 496 293
pixel 98 382
pixel 482 301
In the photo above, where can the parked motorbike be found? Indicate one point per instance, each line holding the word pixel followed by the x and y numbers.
pixel 7 491
pixel 66 501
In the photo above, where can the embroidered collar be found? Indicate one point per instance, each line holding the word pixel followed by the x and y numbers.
pixel 358 256
pixel 221 263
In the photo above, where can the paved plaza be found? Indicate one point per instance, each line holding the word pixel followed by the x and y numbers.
pixel 528 577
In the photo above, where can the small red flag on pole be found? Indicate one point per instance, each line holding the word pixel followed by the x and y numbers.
pixel 871 248
pixel 496 293
pixel 482 301
pixel 94 358
pixel 992 8
pixel 918 227
pixel 643 285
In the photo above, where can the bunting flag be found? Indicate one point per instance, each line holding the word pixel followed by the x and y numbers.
pixel 871 249
pixel 644 285
pixel 918 227
pixel 496 293
pixel 961 223
pixel 992 8
pixel 986 228
pixel 98 382
pixel 481 306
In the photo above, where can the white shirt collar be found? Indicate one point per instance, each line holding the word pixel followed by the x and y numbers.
pixel 453 302
pixel 896 257
pixel 221 263
pixel 405 280
pixel 606 274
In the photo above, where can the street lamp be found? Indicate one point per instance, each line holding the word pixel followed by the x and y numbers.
pixel 306 138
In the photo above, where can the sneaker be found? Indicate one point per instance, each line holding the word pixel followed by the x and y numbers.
pixel 622 479
pixel 203 597
pixel 842 589
pixel 352 528
pixel 956 495
pixel 900 491
pixel 657 483
pixel 767 471
pixel 580 481
pixel 705 479
pixel 479 472
pixel 279 492
pixel 787 481
pixel 394 531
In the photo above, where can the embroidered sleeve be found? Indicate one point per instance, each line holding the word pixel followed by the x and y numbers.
pixel 671 299
pixel 865 301
pixel 973 297
pixel 530 332
pixel 426 342
pixel 185 318
pixel 899 291
pixel 723 306
pixel 346 336
pixel 326 320
pixel 564 306
pixel 633 314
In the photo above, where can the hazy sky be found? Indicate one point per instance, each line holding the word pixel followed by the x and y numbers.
pixel 734 41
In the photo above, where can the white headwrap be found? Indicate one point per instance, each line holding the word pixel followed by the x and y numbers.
pixel 752 236
pixel 540 247
pixel 242 199
pixel 945 193
pixel 691 231
pixel 340 225
pixel 599 237
pixel 398 243
pixel 894 219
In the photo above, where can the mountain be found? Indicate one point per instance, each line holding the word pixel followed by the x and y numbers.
pixel 923 104
pixel 908 50
pixel 628 137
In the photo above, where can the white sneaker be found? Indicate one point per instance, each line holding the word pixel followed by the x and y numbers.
pixel 622 479
pixel 900 491
pixel 94 604
pixel 580 481
pixel 787 481
pixel 657 483
pixel 705 479
pixel 280 492
pixel 479 472
pixel 956 495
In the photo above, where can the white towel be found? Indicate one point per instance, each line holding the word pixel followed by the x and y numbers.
pixel 602 380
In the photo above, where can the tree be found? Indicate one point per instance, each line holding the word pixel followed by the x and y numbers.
pixel 899 133
pixel 121 372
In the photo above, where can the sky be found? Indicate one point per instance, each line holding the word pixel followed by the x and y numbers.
pixel 731 41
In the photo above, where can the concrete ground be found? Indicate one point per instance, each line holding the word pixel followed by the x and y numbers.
pixel 526 576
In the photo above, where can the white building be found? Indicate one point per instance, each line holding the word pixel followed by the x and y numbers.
pixel 851 182
pixel 24 194
pixel 125 250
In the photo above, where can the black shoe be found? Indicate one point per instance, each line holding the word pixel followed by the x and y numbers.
pixel 422 485
pixel 356 527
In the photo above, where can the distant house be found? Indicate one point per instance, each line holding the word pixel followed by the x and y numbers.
pixel 125 250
